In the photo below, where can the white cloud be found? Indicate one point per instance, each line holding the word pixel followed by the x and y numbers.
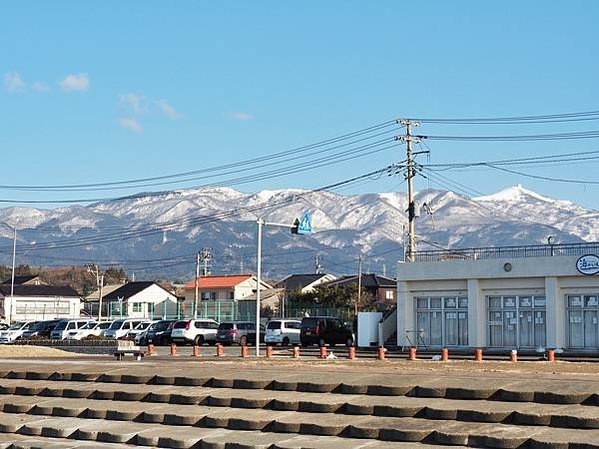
pixel 133 102
pixel 167 109
pixel 13 82
pixel 40 86
pixel 75 82
pixel 242 116
pixel 131 124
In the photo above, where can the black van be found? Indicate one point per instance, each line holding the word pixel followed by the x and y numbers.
pixel 323 330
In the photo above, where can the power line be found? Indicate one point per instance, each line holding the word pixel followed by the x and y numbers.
pixel 592 134
pixel 193 221
pixel 354 153
pixel 515 120
pixel 243 163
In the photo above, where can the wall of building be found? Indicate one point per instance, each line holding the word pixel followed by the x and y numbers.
pixel 541 287
pixel 39 308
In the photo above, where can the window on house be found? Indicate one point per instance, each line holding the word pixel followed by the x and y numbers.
pixel 389 294
pixel 136 307
pixel 231 295
pixel 208 296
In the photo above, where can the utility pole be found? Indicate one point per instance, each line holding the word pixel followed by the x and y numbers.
pixel 409 140
pixel 95 270
pixel 205 257
pixel 12 276
pixel 359 298
pixel 317 265
pixel 197 287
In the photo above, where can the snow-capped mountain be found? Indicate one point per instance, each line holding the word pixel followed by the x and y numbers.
pixel 157 234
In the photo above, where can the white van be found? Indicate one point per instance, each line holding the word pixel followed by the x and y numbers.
pixel 15 331
pixel 62 329
pixel 120 328
pixel 284 332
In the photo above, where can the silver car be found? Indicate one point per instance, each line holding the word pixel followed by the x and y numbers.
pixel 283 332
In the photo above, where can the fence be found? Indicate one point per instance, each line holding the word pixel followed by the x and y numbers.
pixel 515 252
pixel 216 310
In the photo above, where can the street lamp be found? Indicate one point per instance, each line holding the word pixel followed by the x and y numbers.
pixel 551 242
pixel 12 276
pixel 302 227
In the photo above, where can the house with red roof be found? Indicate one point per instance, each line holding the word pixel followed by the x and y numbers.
pixel 223 288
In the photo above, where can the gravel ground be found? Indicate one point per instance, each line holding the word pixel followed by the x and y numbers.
pixel 16 351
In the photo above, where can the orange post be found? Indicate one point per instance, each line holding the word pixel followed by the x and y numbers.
pixel 551 355
pixel 296 352
pixel 196 351
pixel 323 352
pixel 351 352
pixel 412 353
pixel 514 356
pixel 151 349
pixel 245 351
pixel 380 353
pixel 269 352
pixel 173 349
pixel 444 354
pixel 220 350
pixel 478 355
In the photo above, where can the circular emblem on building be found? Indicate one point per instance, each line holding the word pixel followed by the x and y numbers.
pixel 588 264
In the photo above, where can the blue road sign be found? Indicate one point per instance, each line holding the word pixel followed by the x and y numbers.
pixel 305 225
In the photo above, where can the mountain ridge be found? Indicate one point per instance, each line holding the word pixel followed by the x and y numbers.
pixel 182 221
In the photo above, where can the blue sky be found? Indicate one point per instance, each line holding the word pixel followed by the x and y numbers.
pixel 113 90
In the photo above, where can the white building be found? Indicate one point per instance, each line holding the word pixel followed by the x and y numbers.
pixel 501 298
pixel 140 300
pixel 38 302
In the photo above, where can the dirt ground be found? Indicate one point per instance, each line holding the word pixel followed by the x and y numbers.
pixel 14 351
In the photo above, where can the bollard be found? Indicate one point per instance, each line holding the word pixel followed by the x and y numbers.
pixel 323 352
pixel 478 355
pixel 196 351
pixel 173 349
pixel 269 352
pixel 514 356
pixel 151 349
pixel 245 351
pixel 380 353
pixel 550 355
pixel 444 355
pixel 296 352
pixel 220 350
pixel 351 352
pixel 412 354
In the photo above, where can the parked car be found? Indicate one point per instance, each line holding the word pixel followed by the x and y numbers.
pixel 160 332
pixel 119 328
pixel 91 328
pixel 323 330
pixel 283 332
pixel 240 332
pixel 4 326
pixel 63 327
pixel 15 331
pixel 141 327
pixel 194 331
pixel 40 329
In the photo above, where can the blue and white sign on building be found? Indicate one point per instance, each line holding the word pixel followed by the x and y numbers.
pixel 588 264
pixel 305 225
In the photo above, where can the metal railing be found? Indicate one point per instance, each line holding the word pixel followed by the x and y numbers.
pixel 513 252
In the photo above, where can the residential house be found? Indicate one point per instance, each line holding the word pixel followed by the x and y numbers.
pixel 220 289
pixel 382 289
pixel 90 302
pixel 304 283
pixel 28 279
pixel 38 302
pixel 223 288
pixel 143 299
